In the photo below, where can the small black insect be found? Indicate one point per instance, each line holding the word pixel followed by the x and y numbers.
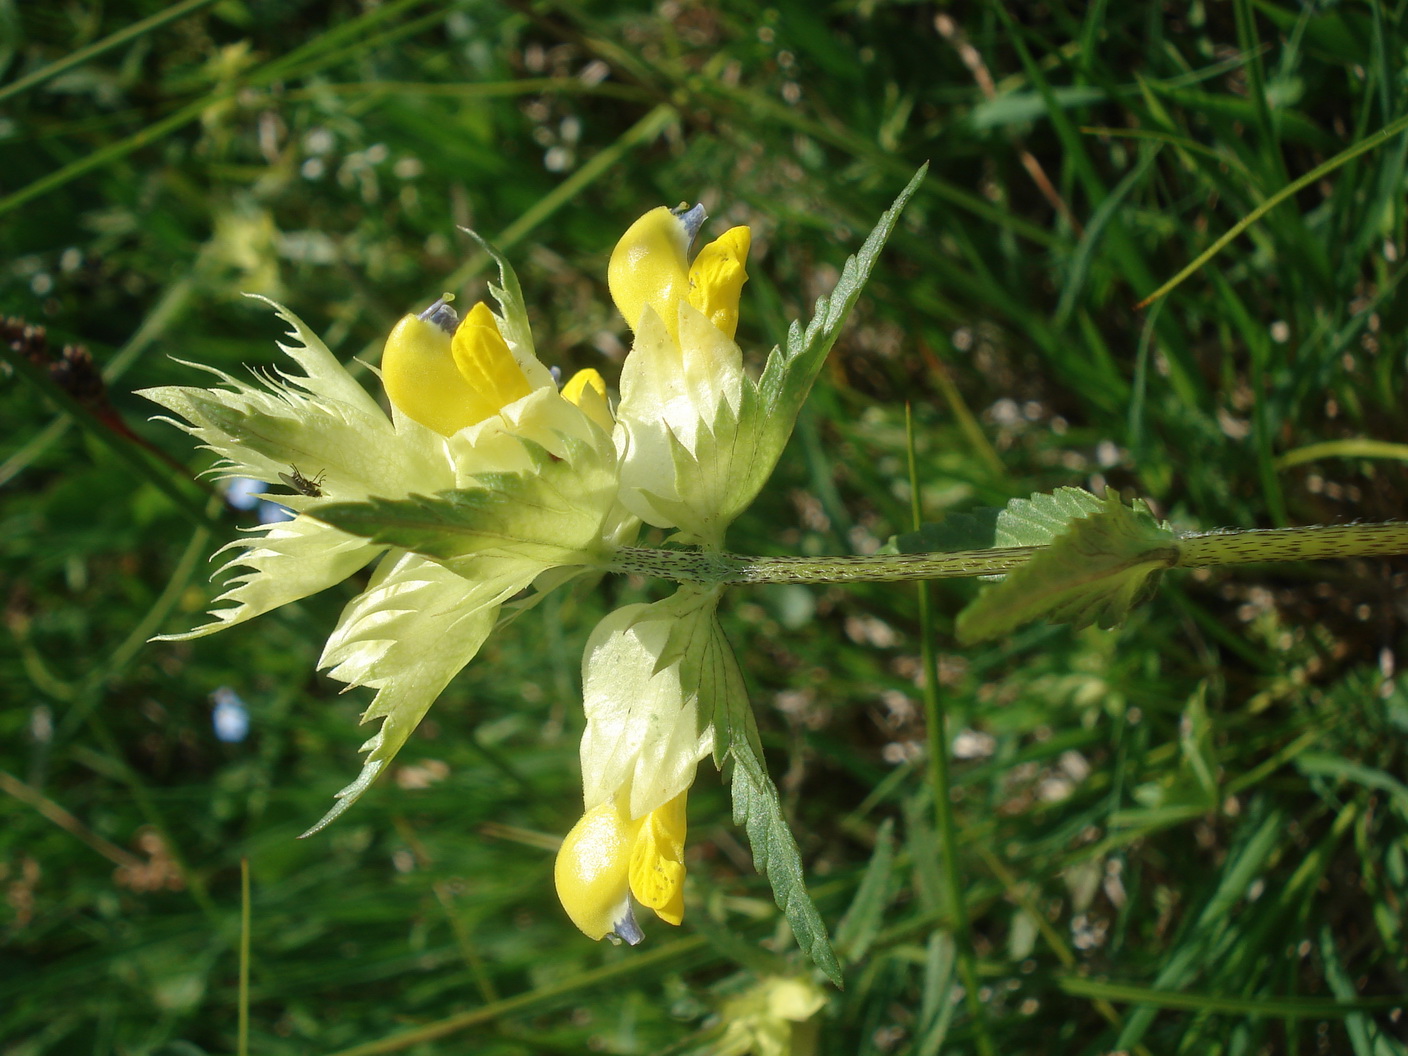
pixel 313 488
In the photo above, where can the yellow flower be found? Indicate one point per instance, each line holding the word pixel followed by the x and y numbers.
pixel 698 437
pixel 772 1018
pixel 683 382
pixel 487 479
pixel 649 269
pixel 450 377
pixel 607 858
pixel 521 479
pixel 648 727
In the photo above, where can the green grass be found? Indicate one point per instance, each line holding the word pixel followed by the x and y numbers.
pixel 1189 835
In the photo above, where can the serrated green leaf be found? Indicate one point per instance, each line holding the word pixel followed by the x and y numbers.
pixel 723 694
pixel 552 514
pixel 757 807
pixel 788 375
pixel 513 317
pixel 1095 570
pixel 1043 517
pixel 1033 521
pixel 411 631
pixel 276 564
pixel 718 479
pixel 684 645
pixel 861 923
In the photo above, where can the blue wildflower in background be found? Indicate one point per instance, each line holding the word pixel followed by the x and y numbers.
pixel 230 717
pixel 246 493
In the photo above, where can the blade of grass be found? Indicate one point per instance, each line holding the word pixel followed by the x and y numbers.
pixel 634 965
pixel 1324 169
pixel 1250 46
pixel 158 130
pixel 368 90
pixel 1185 962
pixel 1284 1008
pixel 184 497
pixel 88 693
pixel 1359 448
pixel 642 132
pixel 167 310
pixel 92 51
pixel 936 724
pixel 1021 894
pixel 242 1031
pixel 1265 420
pixel 710 91
pixel 1183 375
pixel 48 809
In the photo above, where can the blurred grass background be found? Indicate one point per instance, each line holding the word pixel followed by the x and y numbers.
pixel 1188 835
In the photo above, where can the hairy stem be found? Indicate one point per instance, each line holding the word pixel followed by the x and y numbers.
pixel 1196 549
pixel 697 566
pixel 1293 544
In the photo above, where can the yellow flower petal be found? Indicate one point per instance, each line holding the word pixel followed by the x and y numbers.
pixel 716 279
pixel 587 390
pixel 657 861
pixel 484 359
pixel 591 874
pixel 447 383
pixel 648 266
pixel 420 376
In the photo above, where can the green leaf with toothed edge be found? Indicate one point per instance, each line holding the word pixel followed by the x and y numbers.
pixel 788 375
pixel 513 310
pixel 1094 571
pixel 770 411
pixel 552 514
pixel 406 636
pixel 1033 521
pixel 757 807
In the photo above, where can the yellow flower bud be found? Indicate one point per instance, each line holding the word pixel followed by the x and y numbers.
pixel 591 874
pixel 587 390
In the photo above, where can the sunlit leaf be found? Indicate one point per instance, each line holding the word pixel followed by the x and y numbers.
pixel 757 807
pixel 1096 568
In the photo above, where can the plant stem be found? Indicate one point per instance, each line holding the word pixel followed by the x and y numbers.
pixel 1315 543
pixel 1193 550
pixel 699 566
